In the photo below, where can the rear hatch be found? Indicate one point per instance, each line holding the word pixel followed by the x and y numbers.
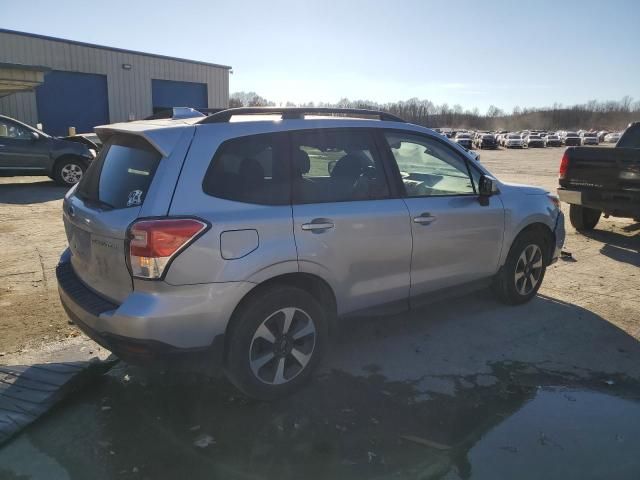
pixel 98 213
pixel 603 168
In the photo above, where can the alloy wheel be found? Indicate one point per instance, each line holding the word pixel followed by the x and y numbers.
pixel 528 269
pixel 282 346
pixel 71 173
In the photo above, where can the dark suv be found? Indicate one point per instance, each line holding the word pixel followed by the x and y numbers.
pixel 25 150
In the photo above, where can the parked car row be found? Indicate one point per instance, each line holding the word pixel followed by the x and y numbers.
pixel 527 138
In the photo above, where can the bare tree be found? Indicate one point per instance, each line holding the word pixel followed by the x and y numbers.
pixel 609 115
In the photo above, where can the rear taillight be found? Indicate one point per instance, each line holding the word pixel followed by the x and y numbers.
pixel 564 165
pixel 154 243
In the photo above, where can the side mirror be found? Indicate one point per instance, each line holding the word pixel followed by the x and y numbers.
pixel 34 136
pixel 475 155
pixel 487 186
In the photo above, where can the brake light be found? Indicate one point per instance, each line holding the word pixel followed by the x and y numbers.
pixel 154 243
pixel 564 165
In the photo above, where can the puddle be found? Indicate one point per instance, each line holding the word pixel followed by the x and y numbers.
pixel 340 426
pixel 563 433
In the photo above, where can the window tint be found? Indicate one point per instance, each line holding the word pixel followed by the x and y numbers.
pixel 428 167
pixel 336 166
pixel 630 138
pixel 250 169
pixel 122 173
pixel 12 130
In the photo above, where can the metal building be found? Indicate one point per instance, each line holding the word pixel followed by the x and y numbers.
pixel 63 83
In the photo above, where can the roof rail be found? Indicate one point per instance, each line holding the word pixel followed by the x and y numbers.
pixel 176 113
pixel 289 113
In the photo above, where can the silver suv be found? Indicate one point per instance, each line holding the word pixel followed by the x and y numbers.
pixel 237 239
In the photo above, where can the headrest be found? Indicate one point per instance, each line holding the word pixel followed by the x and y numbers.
pixel 251 170
pixel 301 161
pixel 349 166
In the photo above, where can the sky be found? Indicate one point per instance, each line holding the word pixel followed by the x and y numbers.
pixel 475 54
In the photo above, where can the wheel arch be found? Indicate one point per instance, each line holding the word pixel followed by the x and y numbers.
pixel 61 158
pixel 313 284
pixel 544 230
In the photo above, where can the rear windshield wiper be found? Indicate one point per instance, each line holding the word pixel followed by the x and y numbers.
pixel 95 202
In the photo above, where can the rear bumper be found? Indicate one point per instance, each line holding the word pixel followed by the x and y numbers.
pixel 184 325
pixel 618 204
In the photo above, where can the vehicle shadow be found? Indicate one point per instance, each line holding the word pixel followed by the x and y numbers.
pixel 617 246
pixel 20 193
pixel 406 396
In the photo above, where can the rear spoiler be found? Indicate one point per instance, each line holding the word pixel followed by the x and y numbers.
pixel 163 137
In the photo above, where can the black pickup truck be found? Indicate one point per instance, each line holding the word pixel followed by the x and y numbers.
pixel 602 180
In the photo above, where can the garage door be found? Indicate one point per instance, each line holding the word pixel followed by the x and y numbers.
pixel 72 99
pixel 169 94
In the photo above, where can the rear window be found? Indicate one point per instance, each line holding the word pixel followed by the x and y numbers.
pixel 121 174
pixel 630 138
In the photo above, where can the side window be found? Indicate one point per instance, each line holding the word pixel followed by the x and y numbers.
pixel 630 138
pixel 12 130
pixel 428 167
pixel 250 169
pixel 336 166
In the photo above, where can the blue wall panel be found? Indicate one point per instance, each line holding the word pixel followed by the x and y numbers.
pixel 72 99
pixel 169 93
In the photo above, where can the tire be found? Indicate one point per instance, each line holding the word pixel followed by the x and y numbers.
pixel 520 277
pixel 69 170
pixel 582 218
pixel 264 315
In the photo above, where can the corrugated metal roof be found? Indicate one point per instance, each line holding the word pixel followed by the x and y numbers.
pixel 103 47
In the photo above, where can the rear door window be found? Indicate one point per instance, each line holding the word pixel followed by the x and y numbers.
pixel 252 169
pixel 122 174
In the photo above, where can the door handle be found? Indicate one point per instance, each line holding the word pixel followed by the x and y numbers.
pixel 318 224
pixel 424 219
